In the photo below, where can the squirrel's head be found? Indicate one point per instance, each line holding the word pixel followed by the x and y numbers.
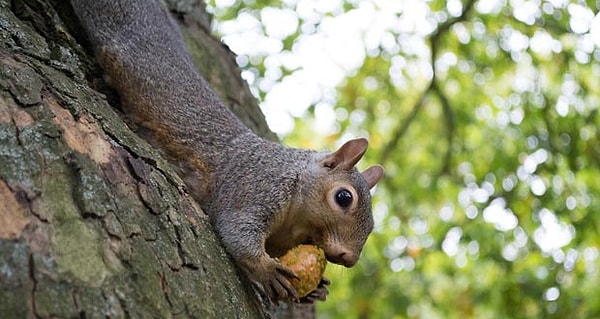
pixel 342 216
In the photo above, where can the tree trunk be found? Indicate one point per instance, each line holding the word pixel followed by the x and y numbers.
pixel 94 223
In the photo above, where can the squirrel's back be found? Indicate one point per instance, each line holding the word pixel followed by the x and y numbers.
pixel 147 62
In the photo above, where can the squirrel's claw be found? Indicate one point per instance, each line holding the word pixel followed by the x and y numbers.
pixel 286 272
pixel 324 282
pixel 282 284
pixel 319 294
pixel 274 279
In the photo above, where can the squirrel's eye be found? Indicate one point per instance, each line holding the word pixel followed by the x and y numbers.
pixel 343 198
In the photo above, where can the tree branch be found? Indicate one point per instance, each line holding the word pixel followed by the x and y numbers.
pixel 403 128
pixel 450 127
pixel 435 89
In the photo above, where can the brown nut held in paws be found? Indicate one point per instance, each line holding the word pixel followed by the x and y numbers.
pixel 308 263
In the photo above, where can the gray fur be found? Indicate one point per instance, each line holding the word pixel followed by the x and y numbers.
pixel 261 197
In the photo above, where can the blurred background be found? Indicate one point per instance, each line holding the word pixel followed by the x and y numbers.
pixel 485 117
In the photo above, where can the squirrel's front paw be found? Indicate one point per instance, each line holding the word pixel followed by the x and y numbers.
pixel 320 293
pixel 273 277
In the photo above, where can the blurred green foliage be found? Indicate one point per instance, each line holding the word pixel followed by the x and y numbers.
pixel 490 205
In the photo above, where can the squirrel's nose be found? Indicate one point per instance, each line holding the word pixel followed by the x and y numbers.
pixel 342 257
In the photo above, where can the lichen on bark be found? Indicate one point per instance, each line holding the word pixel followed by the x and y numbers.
pixel 94 222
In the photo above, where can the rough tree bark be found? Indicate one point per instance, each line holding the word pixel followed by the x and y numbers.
pixel 93 221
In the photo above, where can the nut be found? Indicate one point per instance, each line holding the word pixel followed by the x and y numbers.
pixel 308 263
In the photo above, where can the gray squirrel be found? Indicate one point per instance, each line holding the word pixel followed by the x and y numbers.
pixel 262 198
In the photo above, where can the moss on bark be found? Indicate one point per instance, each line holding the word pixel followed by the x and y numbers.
pixel 95 223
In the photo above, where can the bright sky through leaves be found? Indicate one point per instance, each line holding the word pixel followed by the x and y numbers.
pixel 324 57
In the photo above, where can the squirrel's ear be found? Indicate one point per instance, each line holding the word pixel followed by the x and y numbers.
pixel 348 155
pixel 373 174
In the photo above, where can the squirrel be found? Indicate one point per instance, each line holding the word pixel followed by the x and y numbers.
pixel 261 197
